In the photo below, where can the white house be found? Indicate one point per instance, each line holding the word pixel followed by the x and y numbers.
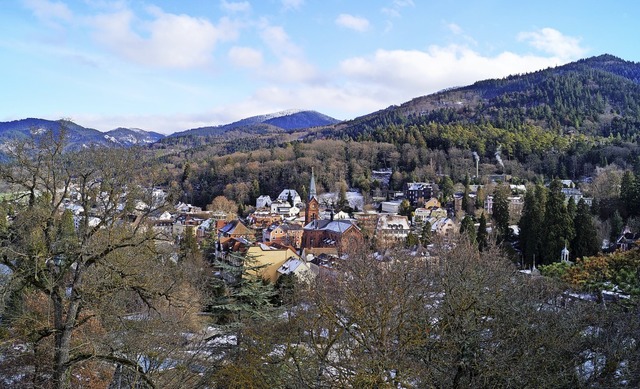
pixel 391 206
pixel 295 197
pixel 392 228
pixel 304 271
pixel 263 201
pixel 280 207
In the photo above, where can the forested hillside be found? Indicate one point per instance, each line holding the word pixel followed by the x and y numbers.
pixel 598 96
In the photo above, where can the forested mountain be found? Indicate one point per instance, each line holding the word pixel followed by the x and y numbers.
pixel 132 136
pixel 77 136
pixel 566 122
pixel 598 96
pixel 274 123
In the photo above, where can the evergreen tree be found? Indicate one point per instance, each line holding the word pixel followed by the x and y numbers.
pixel 482 235
pixel 412 240
pixel 629 194
pixel 617 224
pixel 468 228
pixel 290 198
pixel 188 244
pixel 466 201
pixel 446 189
pixel 558 226
pixel 255 191
pixel 405 208
pixel 243 295
pixel 572 208
pixel 343 203
pixel 425 237
pixel 531 224
pixel 501 211
pixel 585 243
pixel 479 198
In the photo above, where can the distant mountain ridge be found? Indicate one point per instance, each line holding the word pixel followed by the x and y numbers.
pixel 597 96
pixel 132 136
pixel 77 136
pixel 271 123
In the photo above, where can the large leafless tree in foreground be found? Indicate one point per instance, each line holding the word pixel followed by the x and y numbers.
pixel 89 288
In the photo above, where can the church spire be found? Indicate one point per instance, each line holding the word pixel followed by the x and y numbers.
pixel 312 211
pixel 312 186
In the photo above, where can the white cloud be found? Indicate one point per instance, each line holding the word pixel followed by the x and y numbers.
pixel 333 100
pixel 164 124
pixel 352 22
pixel 395 76
pixel 361 84
pixel 459 32
pixel 292 70
pixel 49 11
pixel 245 57
pixel 170 40
pixel 292 4
pixel 233 6
pixel 366 84
pixel 290 64
pixel 279 41
pixel 403 3
pixel 393 10
pixel 552 41
pixel 454 28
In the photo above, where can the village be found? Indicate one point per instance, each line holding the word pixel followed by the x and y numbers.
pixel 289 235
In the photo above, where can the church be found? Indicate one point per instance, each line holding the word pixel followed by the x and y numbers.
pixel 327 234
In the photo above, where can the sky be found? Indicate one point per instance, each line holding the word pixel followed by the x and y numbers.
pixel 171 65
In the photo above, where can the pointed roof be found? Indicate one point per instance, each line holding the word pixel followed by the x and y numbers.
pixel 235 227
pixel 312 186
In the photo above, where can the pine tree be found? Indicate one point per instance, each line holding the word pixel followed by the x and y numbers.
pixel 572 208
pixel 501 211
pixel 585 243
pixel 479 198
pixel 188 248
pixel 617 224
pixel 425 237
pixel 243 295
pixel 466 201
pixel 558 226
pixel 468 228
pixel 446 189
pixel 405 208
pixel 629 194
pixel 531 224
pixel 482 235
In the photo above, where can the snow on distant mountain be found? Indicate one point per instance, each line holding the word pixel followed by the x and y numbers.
pixel 77 136
pixel 132 136
pixel 288 120
pixel 300 119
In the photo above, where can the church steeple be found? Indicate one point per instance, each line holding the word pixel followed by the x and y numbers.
pixel 312 211
pixel 312 186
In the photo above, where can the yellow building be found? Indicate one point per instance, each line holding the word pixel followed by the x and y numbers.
pixel 271 258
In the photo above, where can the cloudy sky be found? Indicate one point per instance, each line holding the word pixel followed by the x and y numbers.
pixel 170 65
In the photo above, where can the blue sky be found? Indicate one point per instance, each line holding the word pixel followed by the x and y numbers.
pixel 169 65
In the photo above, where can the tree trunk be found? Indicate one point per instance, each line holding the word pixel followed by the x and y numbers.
pixel 64 326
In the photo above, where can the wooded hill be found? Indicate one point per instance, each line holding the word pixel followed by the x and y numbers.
pixel 596 96
pixel 558 122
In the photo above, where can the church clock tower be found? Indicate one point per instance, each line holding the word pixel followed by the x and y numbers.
pixel 312 211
